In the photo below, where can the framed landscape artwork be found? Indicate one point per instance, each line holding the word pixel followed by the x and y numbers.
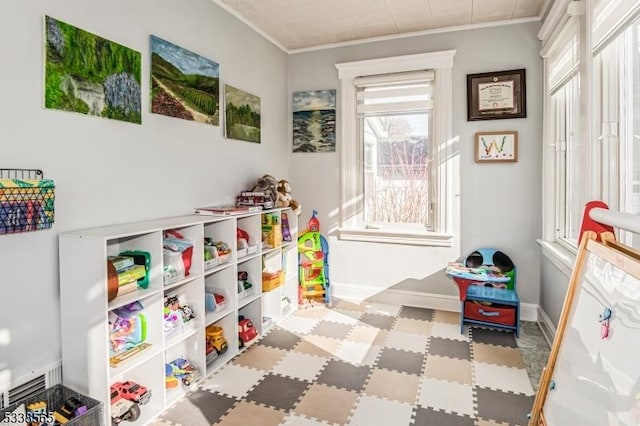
pixel 184 84
pixel 90 75
pixel 314 121
pixel 242 115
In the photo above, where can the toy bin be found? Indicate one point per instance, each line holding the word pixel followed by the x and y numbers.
pixel 271 280
pixel 55 397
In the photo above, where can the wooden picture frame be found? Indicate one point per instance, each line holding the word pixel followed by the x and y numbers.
pixel 592 375
pixel 496 147
pixel 496 95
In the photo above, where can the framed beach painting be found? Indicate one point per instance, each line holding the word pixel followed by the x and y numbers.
pixel 242 115
pixel 184 84
pixel 314 121
pixel 89 74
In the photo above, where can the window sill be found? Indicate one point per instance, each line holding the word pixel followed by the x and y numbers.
pixel 562 257
pixel 412 238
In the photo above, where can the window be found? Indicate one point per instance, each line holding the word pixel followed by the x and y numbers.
pixel 566 177
pixel 562 64
pixel 397 168
pixel 394 128
pixel 592 113
pixel 617 78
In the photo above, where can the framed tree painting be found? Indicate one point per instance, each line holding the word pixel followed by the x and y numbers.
pixel 242 115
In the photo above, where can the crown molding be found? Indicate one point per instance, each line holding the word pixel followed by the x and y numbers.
pixel 415 34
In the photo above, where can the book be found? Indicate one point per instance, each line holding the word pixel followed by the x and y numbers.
pixel 226 211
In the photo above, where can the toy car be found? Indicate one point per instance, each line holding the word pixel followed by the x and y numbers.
pixel 182 370
pixel 211 352
pixel 122 409
pixel 246 331
pixel 72 407
pixel 133 391
pixel 216 339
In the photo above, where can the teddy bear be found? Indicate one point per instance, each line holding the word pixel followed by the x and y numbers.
pixel 268 185
pixel 284 198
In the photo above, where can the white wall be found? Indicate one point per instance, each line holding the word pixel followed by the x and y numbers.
pixel 108 171
pixel 499 204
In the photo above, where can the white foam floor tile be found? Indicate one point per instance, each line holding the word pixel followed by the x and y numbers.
pixel 406 341
pixel 300 366
pixel 383 309
pixel 371 411
pixel 372 355
pixel 339 317
pixel 299 325
pixel 499 377
pixel 448 331
pixel 233 380
pixel 353 352
pixel 447 396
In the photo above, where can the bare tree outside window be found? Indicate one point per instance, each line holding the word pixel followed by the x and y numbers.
pixel 396 169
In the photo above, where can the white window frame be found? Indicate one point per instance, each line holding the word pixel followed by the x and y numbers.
pixel 565 19
pixel 351 164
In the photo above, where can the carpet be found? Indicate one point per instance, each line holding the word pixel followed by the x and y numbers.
pixel 366 364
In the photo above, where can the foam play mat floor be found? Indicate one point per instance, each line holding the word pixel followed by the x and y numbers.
pixel 366 364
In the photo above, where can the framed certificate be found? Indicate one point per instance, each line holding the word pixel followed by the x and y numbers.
pixel 496 95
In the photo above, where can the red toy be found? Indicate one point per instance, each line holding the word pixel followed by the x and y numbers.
pixel 247 331
pixel 121 408
pixel 133 391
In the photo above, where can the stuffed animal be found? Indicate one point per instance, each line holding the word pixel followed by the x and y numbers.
pixel 285 199
pixel 267 184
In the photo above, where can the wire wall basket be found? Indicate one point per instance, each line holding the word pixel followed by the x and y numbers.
pixel 26 201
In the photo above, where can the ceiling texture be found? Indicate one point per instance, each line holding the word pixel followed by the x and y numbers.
pixel 296 25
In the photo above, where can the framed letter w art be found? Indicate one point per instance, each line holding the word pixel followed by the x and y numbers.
pixel 496 147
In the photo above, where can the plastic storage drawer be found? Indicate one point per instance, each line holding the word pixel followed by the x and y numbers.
pixel 495 313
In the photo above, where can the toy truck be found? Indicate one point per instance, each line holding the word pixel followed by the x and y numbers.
pixel 246 331
pixel 122 409
pixel 133 392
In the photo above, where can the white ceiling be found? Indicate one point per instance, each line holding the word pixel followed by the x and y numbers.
pixel 303 24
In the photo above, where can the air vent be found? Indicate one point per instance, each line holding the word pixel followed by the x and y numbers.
pixel 32 384
pixel 28 389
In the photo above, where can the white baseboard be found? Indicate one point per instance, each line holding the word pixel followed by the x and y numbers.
pixel 547 326
pixel 443 302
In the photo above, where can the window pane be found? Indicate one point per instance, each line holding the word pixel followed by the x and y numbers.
pixel 569 154
pixel 574 160
pixel 630 136
pixel 396 168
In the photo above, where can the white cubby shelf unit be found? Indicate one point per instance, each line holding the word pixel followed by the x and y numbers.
pixel 85 308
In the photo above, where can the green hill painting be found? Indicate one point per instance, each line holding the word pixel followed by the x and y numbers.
pixel 242 115
pixel 183 84
pixel 89 74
